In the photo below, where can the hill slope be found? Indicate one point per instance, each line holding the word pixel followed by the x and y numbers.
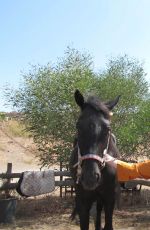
pixel 20 151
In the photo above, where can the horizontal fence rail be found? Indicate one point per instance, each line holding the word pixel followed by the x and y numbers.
pixel 18 175
pixel 57 183
pixel 65 183
pixel 63 180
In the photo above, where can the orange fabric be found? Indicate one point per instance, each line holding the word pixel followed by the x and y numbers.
pixel 130 171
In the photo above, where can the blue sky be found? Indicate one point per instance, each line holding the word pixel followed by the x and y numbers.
pixel 38 31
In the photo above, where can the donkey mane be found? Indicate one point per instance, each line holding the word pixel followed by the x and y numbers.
pixel 96 104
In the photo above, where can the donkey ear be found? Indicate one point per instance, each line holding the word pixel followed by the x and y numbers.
pixel 79 98
pixel 111 104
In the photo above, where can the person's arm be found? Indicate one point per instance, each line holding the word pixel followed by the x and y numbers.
pixel 129 171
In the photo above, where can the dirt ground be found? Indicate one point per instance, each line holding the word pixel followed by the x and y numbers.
pixel 52 212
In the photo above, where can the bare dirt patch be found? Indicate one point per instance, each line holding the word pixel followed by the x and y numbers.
pixel 53 213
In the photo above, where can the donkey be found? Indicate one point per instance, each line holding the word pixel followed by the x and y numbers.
pixel 95 180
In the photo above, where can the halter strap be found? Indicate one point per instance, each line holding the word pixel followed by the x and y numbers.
pixel 87 157
pixel 92 157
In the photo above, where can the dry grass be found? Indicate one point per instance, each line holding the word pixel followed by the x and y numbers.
pixel 54 205
pixel 16 129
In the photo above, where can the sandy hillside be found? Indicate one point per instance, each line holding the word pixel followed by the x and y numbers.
pixel 19 151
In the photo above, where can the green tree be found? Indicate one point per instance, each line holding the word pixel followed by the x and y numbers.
pixel 126 76
pixel 46 100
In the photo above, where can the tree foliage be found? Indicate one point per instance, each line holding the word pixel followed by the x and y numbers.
pixel 126 76
pixel 46 100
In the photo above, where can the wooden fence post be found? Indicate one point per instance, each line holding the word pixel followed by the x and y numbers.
pixel 9 171
pixel 61 178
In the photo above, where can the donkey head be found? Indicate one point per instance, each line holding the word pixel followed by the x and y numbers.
pixel 93 127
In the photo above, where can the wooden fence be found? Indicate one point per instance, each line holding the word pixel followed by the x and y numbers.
pixel 62 180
